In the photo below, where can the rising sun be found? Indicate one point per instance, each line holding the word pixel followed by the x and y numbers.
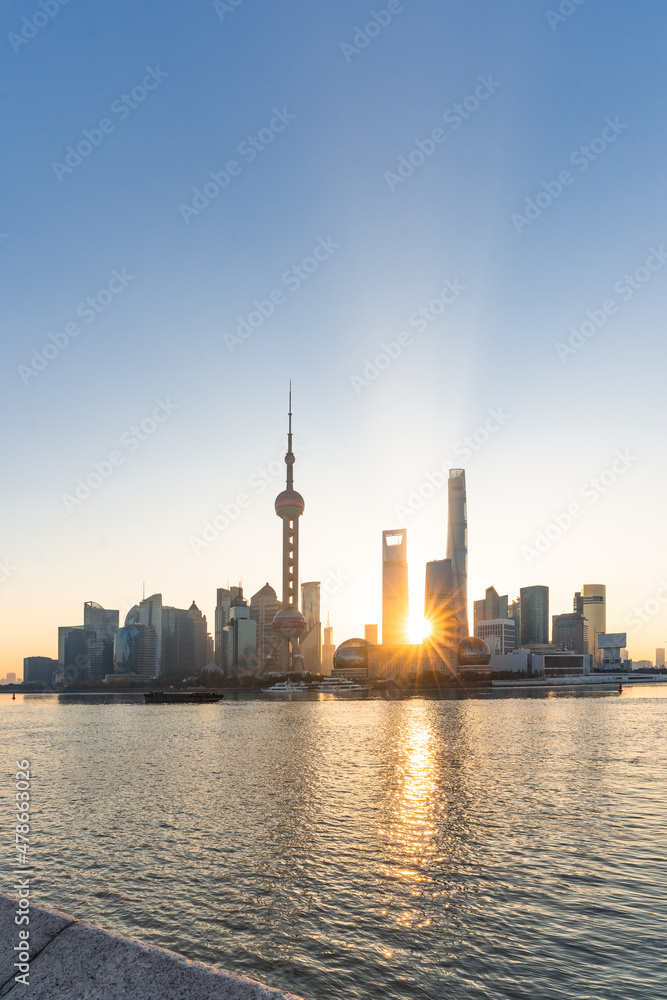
pixel 419 629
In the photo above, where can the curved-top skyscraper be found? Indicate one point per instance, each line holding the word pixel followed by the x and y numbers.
pixel 290 505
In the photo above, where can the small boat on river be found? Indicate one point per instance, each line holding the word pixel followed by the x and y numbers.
pixel 181 697
pixel 286 688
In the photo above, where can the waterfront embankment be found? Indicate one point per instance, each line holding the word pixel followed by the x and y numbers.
pixel 70 959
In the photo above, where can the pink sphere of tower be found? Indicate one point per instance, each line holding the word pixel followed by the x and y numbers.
pixel 290 504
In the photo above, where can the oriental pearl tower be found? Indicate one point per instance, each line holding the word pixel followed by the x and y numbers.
pixel 289 622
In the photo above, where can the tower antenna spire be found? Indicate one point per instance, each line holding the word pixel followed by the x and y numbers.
pixel 289 457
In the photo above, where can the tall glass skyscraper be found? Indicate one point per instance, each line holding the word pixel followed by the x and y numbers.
pixel 439 608
pixel 72 652
pixel 534 615
pixel 178 644
pixel 311 643
pixel 99 628
pixel 135 650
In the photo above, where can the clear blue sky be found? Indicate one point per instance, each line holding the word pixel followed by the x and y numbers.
pixel 342 118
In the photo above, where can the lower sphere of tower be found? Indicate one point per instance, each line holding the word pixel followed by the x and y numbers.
pixel 289 623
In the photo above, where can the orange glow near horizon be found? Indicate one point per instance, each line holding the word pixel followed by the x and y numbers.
pixel 419 629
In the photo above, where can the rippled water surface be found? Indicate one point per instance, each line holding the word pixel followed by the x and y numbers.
pixel 495 847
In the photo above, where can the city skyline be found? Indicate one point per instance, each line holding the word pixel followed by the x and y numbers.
pixel 402 621
pixel 485 299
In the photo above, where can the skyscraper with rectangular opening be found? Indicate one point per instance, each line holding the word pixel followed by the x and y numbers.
pixel 395 587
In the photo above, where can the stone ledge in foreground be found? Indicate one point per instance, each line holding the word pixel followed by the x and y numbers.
pixel 74 960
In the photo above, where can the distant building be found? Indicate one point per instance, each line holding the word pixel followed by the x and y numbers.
pixel 264 606
pixel 517 661
pixel 371 634
pixel 178 647
pixel 534 615
pixel 395 586
pixel 328 649
pixel 642 665
pixel 386 662
pixel 223 607
pixel 439 603
pixel 554 663
pixel 99 627
pixel 150 615
pixel 311 642
pixel 478 613
pixel 514 612
pixel 10 678
pixel 241 639
pixel 570 631
pixel 135 651
pixel 659 658
pixel 40 668
pixel 199 638
pixel 591 602
pixel 498 634
pixel 561 664
pixel 611 645
pixel 72 661
pixel 491 608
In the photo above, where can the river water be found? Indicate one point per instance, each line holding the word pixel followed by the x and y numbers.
pixel 497 847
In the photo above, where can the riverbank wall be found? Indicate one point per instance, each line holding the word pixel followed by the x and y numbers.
pixel 74 960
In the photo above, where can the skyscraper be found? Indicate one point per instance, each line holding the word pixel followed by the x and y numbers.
pixel 178 647
pixel 99 627
pixel 514 612
pixel 241 639
pixel 72 662
pixel 150 615
pixel 457 547
pixel 395 587
pixel 591 602
pixel 222 608
pixel 371 634
pixel 660 657
pixel 289 623
pixel 439 603
pixel 328 649
pixel 264 606
pixel 534 615
pixel 491 608
pixel 199 638
pixel 571 632
pixel 311 643
pixel 135 650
